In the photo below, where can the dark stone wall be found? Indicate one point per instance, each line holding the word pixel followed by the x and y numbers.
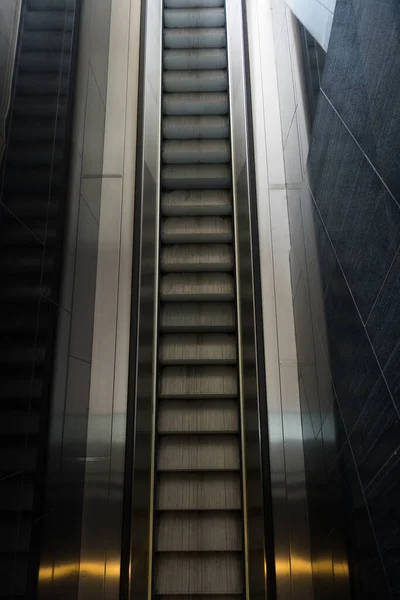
pixel 351 426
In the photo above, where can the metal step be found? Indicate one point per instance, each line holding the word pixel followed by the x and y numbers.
pixel 185 230
pixel 196 349
pixel 195 81
pixel 206 573
pixel 197 257
pixel 196 177
pixel 198 452
pixel 199 491
pixel 53 41
pixel 189 60
pixel 44 62
pixel 198 416
pixel 196 104
pixel 195 38
pixel 198 317
pixel 197 287
pixel 194 17
pixel 49 20
pixel 198 382
pixel 194 128
pixel 196 202
pixel 198 152
pixel 42 85
pixel 34 155
pixel 192 3
pixel 203 531
pixel 42 106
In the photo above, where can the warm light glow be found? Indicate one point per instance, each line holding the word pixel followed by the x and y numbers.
pixel 300 566
pixel 91 569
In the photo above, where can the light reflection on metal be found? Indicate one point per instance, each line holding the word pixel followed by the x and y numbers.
pixel 298 565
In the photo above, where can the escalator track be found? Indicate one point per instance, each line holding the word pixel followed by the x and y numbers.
pixel 198 531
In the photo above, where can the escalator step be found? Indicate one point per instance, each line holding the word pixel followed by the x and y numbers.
pixel 198 416
pixel 207 452
pixel 34 130
pixel 198 317
pixel 198 382
pixel 194 17
pixel 194 128
pixel 53 41
pixel 187 230
pixel 197 287
pixel 189 348
pixel 195 38
pixel 196 202
pixel 42 106
pixel 238 596
pixel 34 155
pixel 204 531
pixel 213 81
pixel 185 60
pixel 193 3
pixel 208 573
pixel 199 152
pixel 44 62
pixel 18 458
pixel 15 536
pixel 196 177
pixel 17 422
pixel 49 20
pixel 199 491
pixel 196 104
pixel 197 257
pixel 42 85
pixel 52 4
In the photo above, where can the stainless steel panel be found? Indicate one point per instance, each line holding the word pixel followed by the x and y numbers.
pixel 252 391
pixel 143 353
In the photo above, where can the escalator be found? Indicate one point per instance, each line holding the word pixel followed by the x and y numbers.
pixel 198 532
pixel 32 191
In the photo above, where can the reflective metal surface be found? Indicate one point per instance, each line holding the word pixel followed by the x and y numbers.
pixel 254 427
pixel 136 582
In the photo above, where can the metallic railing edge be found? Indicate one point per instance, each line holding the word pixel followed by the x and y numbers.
pixel 136 583
pixel 269 554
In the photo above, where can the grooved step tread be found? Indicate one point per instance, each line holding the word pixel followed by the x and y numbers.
pixel 196 128
pixel 194 17
pixel 198 452
pixel 180 152
pixel 198 382
pixel 175 230
pixel 197 177
pixel 193 3
pixel 196 202
pixel 197 257
pixel 199 491
pixel 207 81
pixel 197 287
pixel 198 597
pixel 204 103
pixel 212 573
pixel 190 348
pixel 194 38
pixel 194 59
pixel 208 316
pixel 203 531
pixel 198 416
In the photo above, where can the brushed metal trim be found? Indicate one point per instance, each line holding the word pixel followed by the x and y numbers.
pixel 228 9
pixel 156 310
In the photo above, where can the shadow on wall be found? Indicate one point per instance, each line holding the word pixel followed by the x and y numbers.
pixel 345 262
